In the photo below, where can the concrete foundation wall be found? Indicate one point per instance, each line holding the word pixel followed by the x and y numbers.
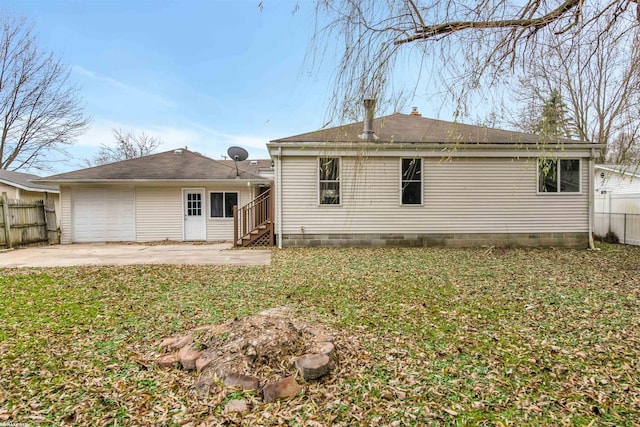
pixel 578 240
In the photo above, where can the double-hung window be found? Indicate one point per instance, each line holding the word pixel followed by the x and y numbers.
pixel 411 182
pixel 329 180
pixel 222 204
pixel 559 176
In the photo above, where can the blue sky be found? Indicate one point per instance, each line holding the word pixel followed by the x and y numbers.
pixel 205 74
pixel 201 74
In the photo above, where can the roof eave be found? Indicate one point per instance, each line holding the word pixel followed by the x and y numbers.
pixel 439 145
pixel 157 181
pixel 28 188
pixel 621 172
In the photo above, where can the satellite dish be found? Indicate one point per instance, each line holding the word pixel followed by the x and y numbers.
pixel 237 154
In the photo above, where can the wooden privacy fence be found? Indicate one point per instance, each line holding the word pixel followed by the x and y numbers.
pixel 27 222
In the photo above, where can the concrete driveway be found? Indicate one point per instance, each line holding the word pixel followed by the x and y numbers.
pixel 127 254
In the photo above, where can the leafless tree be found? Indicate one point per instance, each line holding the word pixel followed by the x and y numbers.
pixel 128 145
pixel 601 89
pixel 463 45
pixel 40 109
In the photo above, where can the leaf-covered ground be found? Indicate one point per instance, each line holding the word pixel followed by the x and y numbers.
pixel 442 337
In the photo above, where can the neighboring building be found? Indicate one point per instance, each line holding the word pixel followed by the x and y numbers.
pixel 617 202
pixel 407 180
pixel 177 195
pixel 617 179
pixel 21 186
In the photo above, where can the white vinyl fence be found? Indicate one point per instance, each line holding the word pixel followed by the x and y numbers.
pixel 618 214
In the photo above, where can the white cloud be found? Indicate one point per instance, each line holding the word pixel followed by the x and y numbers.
pixel 204 140
pixel 244 140
pixel 131 92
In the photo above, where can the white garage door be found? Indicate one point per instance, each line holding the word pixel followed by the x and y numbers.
pixel 103 215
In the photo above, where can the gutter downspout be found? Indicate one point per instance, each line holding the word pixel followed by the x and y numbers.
pixel 591 197
pixel 279 196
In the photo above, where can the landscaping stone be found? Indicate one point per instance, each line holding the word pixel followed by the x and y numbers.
pixel 245 381
pixel 286 387
pixel 203 387
pixel 203 361
pixel 313 366
pixel 168 360
pixel 202 328
pixel 234 351
pixel 168 342
pixel 188 356
pixel 326 348
pixel 180 342
pixel 238 405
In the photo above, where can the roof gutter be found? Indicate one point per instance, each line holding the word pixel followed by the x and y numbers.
pixel 156 181
pixel 390 145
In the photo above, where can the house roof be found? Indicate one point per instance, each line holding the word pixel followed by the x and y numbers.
pixel 24 181
pixel 631 170
pixel 175 165
pixel 408 128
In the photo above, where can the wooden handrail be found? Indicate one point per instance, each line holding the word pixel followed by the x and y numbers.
pixel 254 214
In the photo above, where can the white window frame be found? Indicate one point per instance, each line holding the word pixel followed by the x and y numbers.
pixel 421 182
pixel 339 181
pixel 210 216
pixel 558 160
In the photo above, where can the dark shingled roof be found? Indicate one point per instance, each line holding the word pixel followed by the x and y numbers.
pixel 407 128
pixel 25 181
pixel 174 165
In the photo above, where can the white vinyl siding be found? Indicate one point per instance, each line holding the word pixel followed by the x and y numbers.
pixel 221 229
pixel 617 183
pixel 65 215
pixel 460 195
pixel 159 213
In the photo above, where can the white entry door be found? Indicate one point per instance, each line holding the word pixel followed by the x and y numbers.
pixel 195 226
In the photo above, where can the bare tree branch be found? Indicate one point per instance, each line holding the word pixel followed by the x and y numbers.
pixel 455 46
pixel 432 31
pixel 128 145
pixel 40 109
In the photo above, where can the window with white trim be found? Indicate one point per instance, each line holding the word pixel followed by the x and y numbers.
pixel 558 175
pixel 329 180
pixel 411 181
pixel 221 204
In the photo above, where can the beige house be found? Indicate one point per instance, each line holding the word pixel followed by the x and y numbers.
pixel 411 181
pixel 178 195
pixel 399 180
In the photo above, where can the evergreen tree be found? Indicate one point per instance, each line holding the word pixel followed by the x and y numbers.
pixel 553 119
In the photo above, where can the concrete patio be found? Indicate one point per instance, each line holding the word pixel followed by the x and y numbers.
pixel 130 254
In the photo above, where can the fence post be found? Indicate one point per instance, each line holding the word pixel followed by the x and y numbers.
pixel 7 220
pixel 624 239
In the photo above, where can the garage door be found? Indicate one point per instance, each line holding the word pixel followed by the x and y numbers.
pixel 103 215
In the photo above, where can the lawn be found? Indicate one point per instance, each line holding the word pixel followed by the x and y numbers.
pixel 429 337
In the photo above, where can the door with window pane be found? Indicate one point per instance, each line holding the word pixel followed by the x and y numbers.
pixel 195 226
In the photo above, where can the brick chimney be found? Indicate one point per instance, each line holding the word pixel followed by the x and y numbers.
pixel 414 112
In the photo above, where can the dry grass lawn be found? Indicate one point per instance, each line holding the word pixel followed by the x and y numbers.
pixel 430 337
